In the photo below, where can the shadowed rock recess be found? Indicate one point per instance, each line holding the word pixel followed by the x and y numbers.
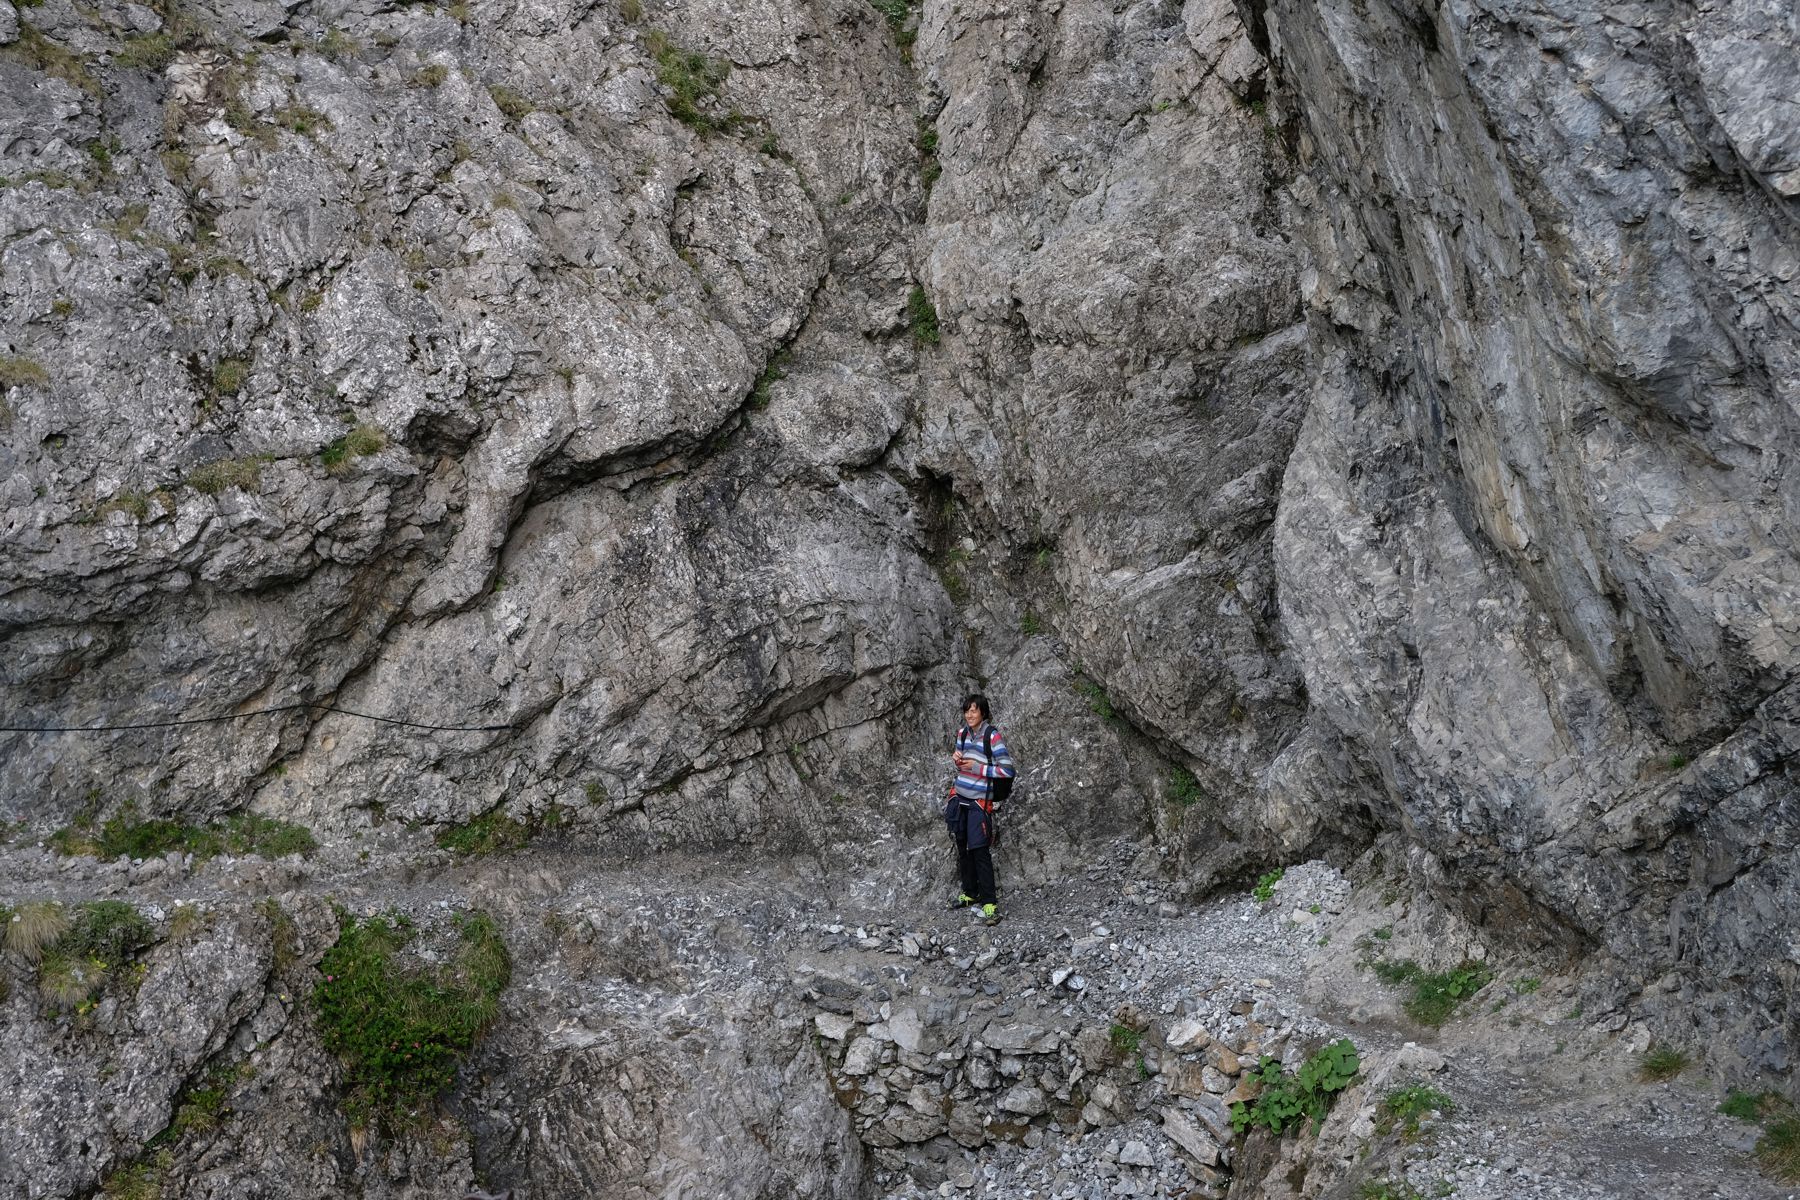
pixel 1357 433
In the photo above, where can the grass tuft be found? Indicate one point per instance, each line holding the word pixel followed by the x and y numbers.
pixel 1661 1062
pixel 34 927
pixel 360 442
pixel 19 371
pixel 210 479
pixel 152 52
pixel 125 836
pixel 1778 1150
pixel 693 81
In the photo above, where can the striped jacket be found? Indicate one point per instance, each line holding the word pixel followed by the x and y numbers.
pixel 975 780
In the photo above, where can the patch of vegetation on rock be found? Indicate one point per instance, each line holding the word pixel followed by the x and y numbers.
pixel 693 81
pixel 402 1025
pixel 1435 995
pixel 126 836
pixel 77 953
pixel 1405 1109
pixel 1288 1099
pixel 360 442
pixel 495 832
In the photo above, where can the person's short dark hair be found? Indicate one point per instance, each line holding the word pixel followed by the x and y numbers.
pixel 979 701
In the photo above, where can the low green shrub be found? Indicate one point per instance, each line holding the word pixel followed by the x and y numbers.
pixel 1125 1039
pixel 1406 1107
pixel 1264 891
pixel 1434 996
pixel 402 1026
pixel 1184 789
pixel 922 317
pixel 97 940
pixel 1289 1099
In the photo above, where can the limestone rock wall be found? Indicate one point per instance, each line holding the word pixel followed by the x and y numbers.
pixel 1306 419
pixel 421 362
pixel 1535 545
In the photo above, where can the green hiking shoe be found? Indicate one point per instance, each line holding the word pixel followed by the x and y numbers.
pixel 990 915
pixel 963 900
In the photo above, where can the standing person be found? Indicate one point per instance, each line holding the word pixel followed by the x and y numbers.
pixel 984 775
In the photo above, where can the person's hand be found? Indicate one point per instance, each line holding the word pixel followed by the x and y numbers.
pixel 957 758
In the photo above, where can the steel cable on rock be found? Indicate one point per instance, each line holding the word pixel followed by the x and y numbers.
pixel 261 712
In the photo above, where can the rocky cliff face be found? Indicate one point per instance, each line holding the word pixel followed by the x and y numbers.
pixel 1535 543
pixel 1306 420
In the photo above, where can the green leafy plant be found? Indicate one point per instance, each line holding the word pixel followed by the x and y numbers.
pixel 1125 1040
pixel 1264 891
pixel 1405 1108
pixel 1289 1099
pixel 1527 985
pixel 1098 701
pixel 402 1025
pixel 1661 1062
pixel 1435 996
pixel 773 372
pixel 1184 789
pixel 922 317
